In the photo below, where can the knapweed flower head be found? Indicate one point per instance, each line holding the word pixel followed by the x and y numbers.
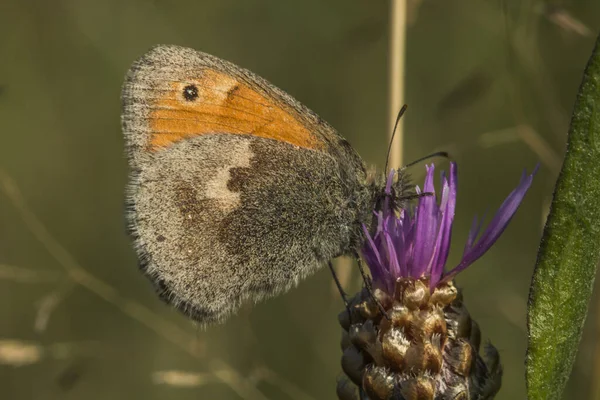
pixel 415 243
pixel 412 336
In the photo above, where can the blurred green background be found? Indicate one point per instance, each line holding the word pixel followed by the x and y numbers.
pixel 493 82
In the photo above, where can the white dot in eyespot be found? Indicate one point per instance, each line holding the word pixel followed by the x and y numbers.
pixel 190 92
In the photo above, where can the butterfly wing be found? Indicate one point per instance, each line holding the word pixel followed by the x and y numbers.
pixel 236 190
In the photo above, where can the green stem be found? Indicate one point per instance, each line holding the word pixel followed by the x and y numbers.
pixel 569 251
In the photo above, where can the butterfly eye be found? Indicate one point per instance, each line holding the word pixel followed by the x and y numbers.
pixel 190 92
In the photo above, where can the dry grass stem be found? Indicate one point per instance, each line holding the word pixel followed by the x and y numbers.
pixel 26 275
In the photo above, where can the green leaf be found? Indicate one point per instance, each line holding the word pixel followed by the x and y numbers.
pixel 569 251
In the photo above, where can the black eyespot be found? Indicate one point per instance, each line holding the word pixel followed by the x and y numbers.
pixel 190 92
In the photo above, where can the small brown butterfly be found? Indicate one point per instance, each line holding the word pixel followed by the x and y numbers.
pixel 236 190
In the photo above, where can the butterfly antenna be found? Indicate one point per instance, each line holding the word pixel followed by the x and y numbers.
pixel 400 114
pixel 427 157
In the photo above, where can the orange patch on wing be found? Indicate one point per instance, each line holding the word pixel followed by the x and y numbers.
pixel 223 105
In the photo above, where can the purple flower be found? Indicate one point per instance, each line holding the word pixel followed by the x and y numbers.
pixel 415 243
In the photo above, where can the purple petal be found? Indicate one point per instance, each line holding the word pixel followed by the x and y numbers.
pixel 373 259
pixel 473 232
pixel 448 206
pixel 393 265
pixel 496 227
pixel 400 245
pixel 408 228
pixel 426 227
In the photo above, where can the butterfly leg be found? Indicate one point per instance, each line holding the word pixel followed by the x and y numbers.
pixel 339 286
pixel 367 282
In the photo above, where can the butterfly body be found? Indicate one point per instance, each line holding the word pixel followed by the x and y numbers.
pixel 236 190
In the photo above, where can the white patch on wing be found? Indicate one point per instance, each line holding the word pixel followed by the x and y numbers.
pixel 216 187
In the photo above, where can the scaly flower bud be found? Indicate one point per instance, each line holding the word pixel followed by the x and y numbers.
pixel 427 346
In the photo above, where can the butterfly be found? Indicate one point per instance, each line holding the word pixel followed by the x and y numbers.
pixel 236 191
